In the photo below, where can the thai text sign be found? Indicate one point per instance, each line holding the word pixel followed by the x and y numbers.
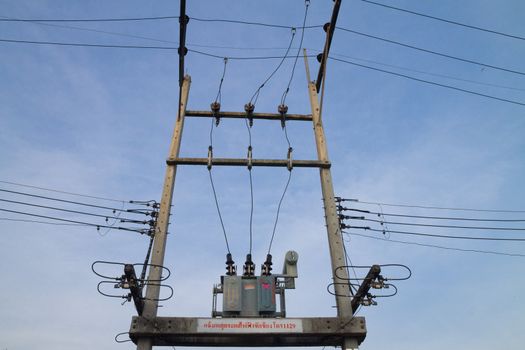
pixel 249 325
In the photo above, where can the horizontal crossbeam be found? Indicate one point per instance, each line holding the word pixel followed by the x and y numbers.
pixel 248 332
pixel 242 115
pixel 244 162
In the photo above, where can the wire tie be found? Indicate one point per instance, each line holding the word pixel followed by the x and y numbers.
pixel 210 156
pixel 250 158
pixel 289 166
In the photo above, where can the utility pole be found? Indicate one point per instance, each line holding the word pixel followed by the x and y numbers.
pixel 335 239
pixel 161 230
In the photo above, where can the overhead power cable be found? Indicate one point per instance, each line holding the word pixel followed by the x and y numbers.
pixel 444 226
pixel 61 191
pixel 434 207
pixel 445 20
pixel 429 82
pixel 40 222
pixel 465 250
pixel 156 18
pixel 100 31
pixel 107 217
pixel 261 24
pixel 63 200
pixel 446 76
pixel 432 52
pixel 434 217
pixel 475 238
pixel 57 43
pixel 124 19
pixel 98 226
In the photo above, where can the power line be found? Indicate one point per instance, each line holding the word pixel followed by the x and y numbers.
pixel 431 52
pixel 156 18
pixel 278 210
pixel 57 43
pixel 435 207
pixel 125 19
pixel 445 20
pixel 72 221
pixel 39 222
pixel 429 82
pixel 107 217
pixel 63 200
pixel 100 31
pixel 444 226
pixel 436 246
pixel 434 217
pixel 60 191
pixel 440 236
pixel 428 73
pixel 262 24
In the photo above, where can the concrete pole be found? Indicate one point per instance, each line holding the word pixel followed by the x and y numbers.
pixel 161 230
pixel 335 239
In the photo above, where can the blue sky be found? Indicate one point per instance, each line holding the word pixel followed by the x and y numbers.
pixel 98 121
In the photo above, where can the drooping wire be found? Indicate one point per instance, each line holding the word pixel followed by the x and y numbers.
pixel 435 246
pixel 255 96
pixel 283 98
pixel 219 211
pixel 278 210
pixel 252 103
pixel 218 97
pixel 214 124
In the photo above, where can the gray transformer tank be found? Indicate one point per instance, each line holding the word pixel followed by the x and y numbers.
pixel 256 296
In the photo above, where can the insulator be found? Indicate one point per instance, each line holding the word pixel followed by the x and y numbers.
pixel 216 108
pixel 267 266
pixel 249 108
pixel 282 109
pixel 249 266
pixel 249 157
pixel 289 165
pixel 210 156
pixel 231 269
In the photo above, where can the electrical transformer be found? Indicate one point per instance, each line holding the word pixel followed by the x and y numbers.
pixel 254 296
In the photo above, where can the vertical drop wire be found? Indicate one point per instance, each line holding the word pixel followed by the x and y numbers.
pixel 283 100
pixel 218 99
pixel 278 211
